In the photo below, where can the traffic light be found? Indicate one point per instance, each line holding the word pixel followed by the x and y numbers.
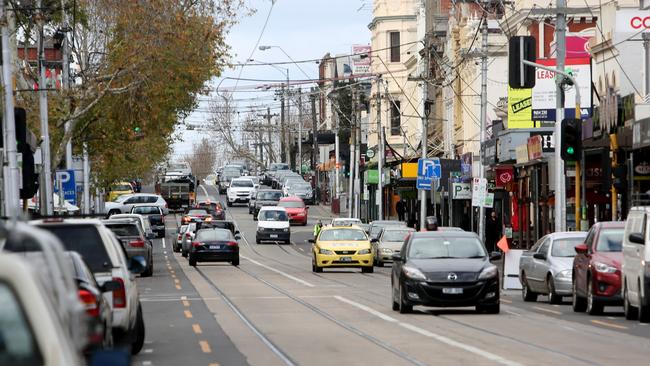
pixel 620 177
pixel 571 145
pixel 520 48
pixel 29 175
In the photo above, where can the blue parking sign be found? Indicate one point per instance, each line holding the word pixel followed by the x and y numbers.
pixel 65 179
pixel 428 169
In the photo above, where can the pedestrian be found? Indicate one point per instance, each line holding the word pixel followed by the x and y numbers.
pixel 492 231
pixel 401 209
pixel 317 228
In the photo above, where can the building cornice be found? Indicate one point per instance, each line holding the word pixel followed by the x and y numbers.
pixel 389 18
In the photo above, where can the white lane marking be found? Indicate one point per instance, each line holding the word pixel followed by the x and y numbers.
pixel 164 246
pixel 146 363
pixel 448 341
pixel 183 297
pixel 302 250
pixel 148 350
pixel 547 310
pixel 278 272
pixel 513 313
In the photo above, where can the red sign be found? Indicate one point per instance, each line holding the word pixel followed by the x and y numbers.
pixel 504 175
pixel 535 147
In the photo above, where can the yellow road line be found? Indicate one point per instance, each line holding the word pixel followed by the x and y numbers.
pixel 197 329
pixel 205 347
pixel 607 324
pixel 186 303
pixel 188 314
pixel 547 310
pixel 507 301
pixel 214 364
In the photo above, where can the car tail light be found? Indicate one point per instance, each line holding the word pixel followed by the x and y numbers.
pixel 137 243
pixel 90 302
pixel 180 236
pixel 119 295
pixel 232 244
pixel 196 243
pixel 187 235
pixel 208 219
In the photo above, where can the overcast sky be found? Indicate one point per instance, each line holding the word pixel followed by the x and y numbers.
pixel 305 29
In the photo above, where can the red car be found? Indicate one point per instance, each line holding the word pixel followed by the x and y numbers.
pixel 597 268
pixel 296 209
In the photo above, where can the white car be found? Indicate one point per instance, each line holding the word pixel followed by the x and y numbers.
pixel 144 222
pixel 125 202
pixel 27 315
pixel 636 265
pixel 240 191
pixel 106 258
pixel 273 225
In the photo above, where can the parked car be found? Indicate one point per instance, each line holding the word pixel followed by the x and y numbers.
pixel 390 242
pixel 188 237
pixel 263 197
pixel 445 269
pixel 378 225
pixel 273 225
pixel 133 239
pixel 597 268
pixel 124 203
pixel 144 223
pixel 240 191
pixel 547 268
pixel 106 258
pixel 26 314
pixel 214 245
pixel 636 265
pixel 301 190
pixel 118 189
pixel 296 209
pixel 155 216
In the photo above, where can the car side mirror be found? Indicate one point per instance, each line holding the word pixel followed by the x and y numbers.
pixel 396 257
pixel 151 236
pixel 110 286
pixel 495 256
pixel 313 241
pixel 137 264
pixel 237 237
pixel 237 232
pixel 541 256
pixel 637 238
pixel 374 240
pixel 581 248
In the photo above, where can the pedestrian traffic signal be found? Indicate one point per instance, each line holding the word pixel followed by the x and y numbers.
pixel 29 176
pixel 571 144
pixel 521 48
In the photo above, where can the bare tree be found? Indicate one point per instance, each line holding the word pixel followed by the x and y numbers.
pixel 203 158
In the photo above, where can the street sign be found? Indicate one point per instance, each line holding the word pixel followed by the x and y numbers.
pixel 479 191
pixel 461 191
pixel 65 180
pixel 427 170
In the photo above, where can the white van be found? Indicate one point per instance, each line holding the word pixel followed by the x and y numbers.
pixel 636 265
pixel 273 225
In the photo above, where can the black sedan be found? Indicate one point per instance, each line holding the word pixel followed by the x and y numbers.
pixel 214 245
pixel 445 269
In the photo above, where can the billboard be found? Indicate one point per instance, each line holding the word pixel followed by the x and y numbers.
pixel 360 65
pixel 632 21
pixel 543 102
pixel 519 112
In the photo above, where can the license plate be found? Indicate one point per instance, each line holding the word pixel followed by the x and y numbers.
pixel 215 246
pixel 273 236
pixel 453 291
pixel 345 259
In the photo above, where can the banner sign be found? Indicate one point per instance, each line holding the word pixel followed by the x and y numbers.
pixel 519 111
pixel 360 65
pixel 504 175
pixel 632 21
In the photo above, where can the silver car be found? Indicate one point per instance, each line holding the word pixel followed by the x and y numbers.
pixel 188 237
pixel 546 268
pixel 390 242
pixel 300 189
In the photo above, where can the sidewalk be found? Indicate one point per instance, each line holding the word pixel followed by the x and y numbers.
pixel 321 212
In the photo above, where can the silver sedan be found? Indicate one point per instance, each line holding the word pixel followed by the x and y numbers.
pixel 390 241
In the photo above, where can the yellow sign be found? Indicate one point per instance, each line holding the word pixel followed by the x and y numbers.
pixel 520 108
pixel 409 170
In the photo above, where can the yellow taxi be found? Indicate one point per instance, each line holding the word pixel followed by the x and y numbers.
pixel 118 189
pixel 342 246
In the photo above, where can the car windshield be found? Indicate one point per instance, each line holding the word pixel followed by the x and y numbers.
pixel 146 210
pixel 242 183
pixel 124 229
pixel 121 187
pixel 291 204
pixel 446 247
pixel 85 240
pixel 197 212
pixel 342 234
pixel 273 215
pixel 270 196
pixel 610 240
pixel 395 235
pixel 214 235
pixel 17 344
pixel 565 247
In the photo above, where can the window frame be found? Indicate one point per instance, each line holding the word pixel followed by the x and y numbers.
pixel 395 115
pixel 394 50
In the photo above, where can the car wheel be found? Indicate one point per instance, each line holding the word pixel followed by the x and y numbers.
pixel 489 309
pixel 228 203
pixel 593 306
pixel 148 272
pixel 114 212
pixel 553 297
pixel 404 306
pixel 254 217
pixel 315 267
pixel 138 342
pixel 578 303
pixel 192 261
pixel 370 269
pixel 392 296
pixel 235 261
pixel 526 294
pixel 630 311
pixel 257 240
pixel 644 310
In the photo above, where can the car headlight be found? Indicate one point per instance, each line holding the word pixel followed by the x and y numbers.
pixel 566 274
pixel 285 229
pixel 604 268
pixel 364 251
pixel 325 251
pixel 300 214
pixel 413 273
pixel 488 272
pixel 386 250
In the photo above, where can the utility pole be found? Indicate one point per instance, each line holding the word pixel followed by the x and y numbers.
pixel 86 179
pixel 10 171
pixel 337 165
pixel 380 155
pixel 560 48
pixel 314 159
pixel 425 132
pixel 484 75
pixel 357 160
pixel 352 141
pixel 47 203
pixel 299 131
pixel 283 152
pixel 65 82
pixel 287 145
pixel 268 132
